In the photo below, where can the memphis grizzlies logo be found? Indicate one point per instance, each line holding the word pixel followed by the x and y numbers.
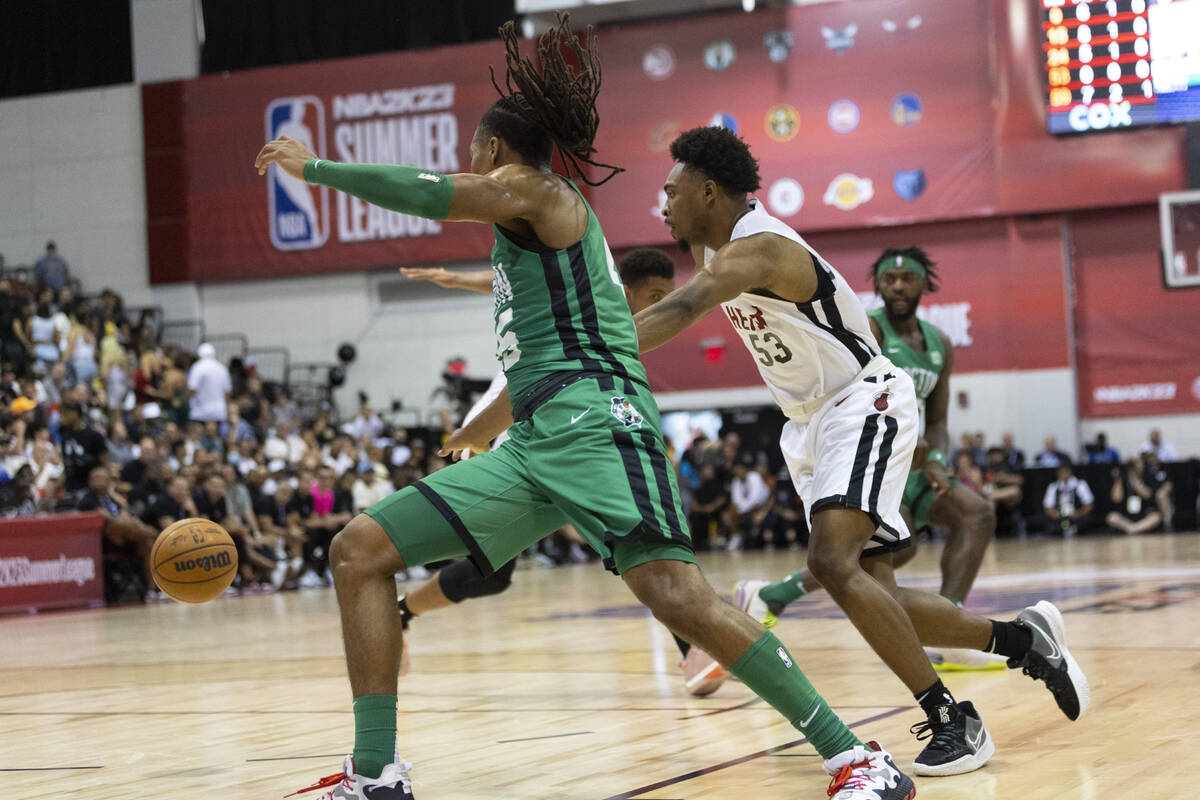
pixel 625 413
pixel 298 212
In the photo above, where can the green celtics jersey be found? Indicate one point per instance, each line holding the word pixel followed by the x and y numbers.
pixel 923 366
pixel 561 310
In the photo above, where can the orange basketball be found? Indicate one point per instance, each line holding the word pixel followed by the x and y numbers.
pixel 194 560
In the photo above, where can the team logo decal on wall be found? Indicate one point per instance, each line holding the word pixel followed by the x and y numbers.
pixel 782 122
pixel 785 197
pixel 848 191
pixel 844 116
pixel 720 55
pixel 839 40
pixel 912 23
pixel 658 62
pixel 778 45
pixel 298 211
pixel 906 109
pixel 723 120
pixel 909 183
pixel 625 413
pixel 1196 388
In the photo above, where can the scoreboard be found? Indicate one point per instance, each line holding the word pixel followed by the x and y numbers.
pixel 1120 63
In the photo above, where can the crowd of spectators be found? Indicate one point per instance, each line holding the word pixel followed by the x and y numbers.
pixel 1140 498
pixel 96 414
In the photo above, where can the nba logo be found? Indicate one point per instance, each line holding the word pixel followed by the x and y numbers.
pixel 299 212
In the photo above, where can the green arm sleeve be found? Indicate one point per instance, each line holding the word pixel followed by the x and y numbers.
pixel 409 190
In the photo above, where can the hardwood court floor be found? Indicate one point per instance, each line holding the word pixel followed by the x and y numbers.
pixel 564 688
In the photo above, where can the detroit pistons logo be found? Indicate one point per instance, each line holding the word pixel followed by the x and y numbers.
pixel 625 413
pixel 881 400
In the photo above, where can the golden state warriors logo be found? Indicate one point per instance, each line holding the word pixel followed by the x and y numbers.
pixel 625 413
pixel 782 122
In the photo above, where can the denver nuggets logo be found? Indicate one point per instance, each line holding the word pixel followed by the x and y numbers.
pixel 625 413
pixel 782 122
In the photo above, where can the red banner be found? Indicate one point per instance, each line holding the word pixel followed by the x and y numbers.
pixel 1138 342
pixel 861 114
pixel 51 562
pixel 418 108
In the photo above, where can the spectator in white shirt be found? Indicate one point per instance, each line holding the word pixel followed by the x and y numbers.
pixel 1164 450
pixel 365 424
pixel 371 487
pixel 1068 500
pixel 749 494
pixel 210 385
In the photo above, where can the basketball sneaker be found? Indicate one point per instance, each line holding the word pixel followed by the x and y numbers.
pixel 702 674
pixel 392 784
pixel 1049 659
pixel 746 597
pixel 958 742
pixel 953 659
pixel 866 772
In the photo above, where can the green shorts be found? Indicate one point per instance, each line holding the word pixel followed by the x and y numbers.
pixel 919 498
pixel 590 455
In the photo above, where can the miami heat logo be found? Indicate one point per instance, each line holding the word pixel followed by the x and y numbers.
pixel 881 400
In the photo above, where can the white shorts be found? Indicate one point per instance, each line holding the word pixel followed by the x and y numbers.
pixel 856 452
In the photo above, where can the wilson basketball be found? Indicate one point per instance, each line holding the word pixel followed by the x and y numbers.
pixel 193 560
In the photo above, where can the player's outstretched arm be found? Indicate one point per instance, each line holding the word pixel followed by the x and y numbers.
pixel 510 192
pixel 476 280
pixel 477 434
pixel 739 266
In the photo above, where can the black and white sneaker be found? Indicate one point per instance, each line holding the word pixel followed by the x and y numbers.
pixel 1049 659
pixel 958 742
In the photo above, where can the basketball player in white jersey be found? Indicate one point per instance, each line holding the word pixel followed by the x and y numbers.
pixel 849 440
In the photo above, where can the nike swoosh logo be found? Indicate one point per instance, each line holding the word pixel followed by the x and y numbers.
pixel 976 741
pixel 811 716
pixel 576 419
pixel 1053 645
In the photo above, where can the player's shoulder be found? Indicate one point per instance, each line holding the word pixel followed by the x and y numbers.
pixel 938 333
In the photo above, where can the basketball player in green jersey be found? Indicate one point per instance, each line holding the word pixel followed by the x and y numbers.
pixel 931 496
pixel 586 444
pixel 648 276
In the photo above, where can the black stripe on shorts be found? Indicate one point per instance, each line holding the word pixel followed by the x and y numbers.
pixel 451 516
pixel 636 476
pixel 862 457
pixel 890 426
pixel 658 463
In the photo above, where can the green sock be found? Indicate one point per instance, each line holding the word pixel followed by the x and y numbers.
pixel 769 670
pixel 374 733
pixel 783 592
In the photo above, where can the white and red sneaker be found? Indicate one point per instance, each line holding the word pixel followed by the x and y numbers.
pixel 868 773
pixel 392 784
pixel 702 674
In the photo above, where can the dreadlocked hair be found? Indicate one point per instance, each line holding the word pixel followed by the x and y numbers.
pixel 932 281
pixel 557 99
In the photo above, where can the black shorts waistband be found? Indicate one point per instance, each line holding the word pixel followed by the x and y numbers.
pixel 544 390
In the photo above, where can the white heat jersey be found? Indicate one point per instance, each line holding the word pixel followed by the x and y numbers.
pixel 807 350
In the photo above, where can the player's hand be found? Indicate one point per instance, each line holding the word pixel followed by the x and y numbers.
pixel 442 277
pixel 289 154
pixel 936 474
pixel 462 443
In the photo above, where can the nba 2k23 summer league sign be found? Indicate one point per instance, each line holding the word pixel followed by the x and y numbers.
pixel 418 109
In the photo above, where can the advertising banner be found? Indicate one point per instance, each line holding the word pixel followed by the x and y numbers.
pixel 51 562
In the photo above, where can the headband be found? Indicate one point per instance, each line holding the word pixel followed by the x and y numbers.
pixel 900 262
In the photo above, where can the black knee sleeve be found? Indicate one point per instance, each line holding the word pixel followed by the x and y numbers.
pixel 463 580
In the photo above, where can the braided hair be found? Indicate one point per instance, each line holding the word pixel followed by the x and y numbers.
pixel 556 103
